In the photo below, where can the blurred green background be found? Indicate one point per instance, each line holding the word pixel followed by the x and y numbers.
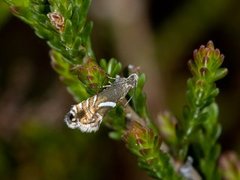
pixel 157 35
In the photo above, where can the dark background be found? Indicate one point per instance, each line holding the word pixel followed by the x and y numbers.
pixel 159 36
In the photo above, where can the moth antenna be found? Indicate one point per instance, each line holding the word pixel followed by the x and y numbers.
pixel 109 77
pixel 106 86
pixel 109 82
pixel 128 101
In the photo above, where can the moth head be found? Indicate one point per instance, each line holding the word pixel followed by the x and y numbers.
pixel 132 80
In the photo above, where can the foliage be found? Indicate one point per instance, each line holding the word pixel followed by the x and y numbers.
pixel 145 144
pixel 199 127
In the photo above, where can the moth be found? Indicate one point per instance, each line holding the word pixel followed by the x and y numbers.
pixel 88 115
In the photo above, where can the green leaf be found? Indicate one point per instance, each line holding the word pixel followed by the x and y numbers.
pixel 139 98
pixel 74 86
pixel 67 35
pixel 219 74
pixel 112 68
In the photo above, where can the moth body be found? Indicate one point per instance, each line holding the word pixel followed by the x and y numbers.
pixel 88 114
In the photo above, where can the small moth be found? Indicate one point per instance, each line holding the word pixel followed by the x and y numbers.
pixel 88 114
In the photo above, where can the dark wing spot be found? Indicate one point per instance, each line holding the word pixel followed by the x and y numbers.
pixel 80 114
pixel 69 116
